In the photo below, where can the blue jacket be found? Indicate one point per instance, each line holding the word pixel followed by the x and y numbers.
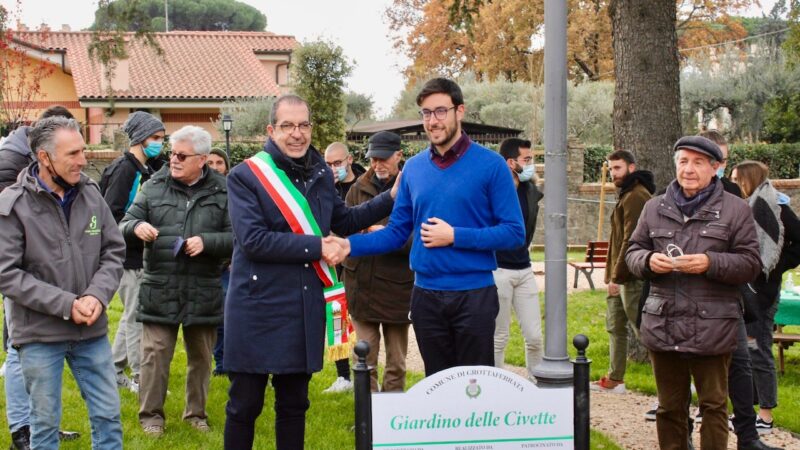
pixel 275 310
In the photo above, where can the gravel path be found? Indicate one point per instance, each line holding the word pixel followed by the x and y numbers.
pixel 619 417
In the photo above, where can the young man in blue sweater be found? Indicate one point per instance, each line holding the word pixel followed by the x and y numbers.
pixel 459 201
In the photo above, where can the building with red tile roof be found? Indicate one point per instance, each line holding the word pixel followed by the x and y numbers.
pixel 197 72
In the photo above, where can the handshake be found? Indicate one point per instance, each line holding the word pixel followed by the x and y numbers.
pixel 334 249
pixel 86 310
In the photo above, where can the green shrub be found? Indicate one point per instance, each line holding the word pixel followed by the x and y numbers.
pixel 593 158
pixel 783 160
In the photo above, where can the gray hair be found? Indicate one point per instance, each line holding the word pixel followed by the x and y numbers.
pixel 198 137
pixel 286 98
pixel 43 135
pixel 675 157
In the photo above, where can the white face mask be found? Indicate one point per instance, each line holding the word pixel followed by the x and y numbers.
pixel 527 172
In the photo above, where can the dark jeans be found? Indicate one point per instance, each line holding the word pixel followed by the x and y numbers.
pixel 246 400
pixel 764 376
pixel 219 366
pixel 454 328
pixel 740 389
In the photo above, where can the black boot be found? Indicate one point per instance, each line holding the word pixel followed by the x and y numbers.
pixel 758 444
pixel 21 439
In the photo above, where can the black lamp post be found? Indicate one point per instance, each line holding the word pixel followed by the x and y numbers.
pixel 227 124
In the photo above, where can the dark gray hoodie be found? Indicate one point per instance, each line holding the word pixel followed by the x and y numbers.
pixel 15 155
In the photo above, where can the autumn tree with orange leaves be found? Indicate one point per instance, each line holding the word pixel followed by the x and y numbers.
pixel 502 39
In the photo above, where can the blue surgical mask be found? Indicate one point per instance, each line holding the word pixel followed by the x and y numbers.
pixel 341 174
pixel 721 172
pixel 527 173
pixel 153 149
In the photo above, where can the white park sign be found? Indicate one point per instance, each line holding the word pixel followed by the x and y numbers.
pixel 473 408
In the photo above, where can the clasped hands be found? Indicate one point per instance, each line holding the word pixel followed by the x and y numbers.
pixel 695 264
pixel 86 310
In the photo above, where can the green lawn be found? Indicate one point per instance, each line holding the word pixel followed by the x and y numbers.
pixel 586 314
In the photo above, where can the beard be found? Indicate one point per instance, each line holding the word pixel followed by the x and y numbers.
pixel 449 133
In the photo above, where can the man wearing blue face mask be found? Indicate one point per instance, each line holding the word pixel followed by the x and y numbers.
pixel 345 171
pixel 516 285
pixel 119 184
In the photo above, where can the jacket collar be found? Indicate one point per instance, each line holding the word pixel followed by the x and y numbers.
pixel 710 210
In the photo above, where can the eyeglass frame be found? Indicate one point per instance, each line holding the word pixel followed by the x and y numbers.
pixel 436 112
pixel 284 127
pixel 181 157
pixel 336 164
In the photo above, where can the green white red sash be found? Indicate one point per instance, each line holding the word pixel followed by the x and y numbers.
pixel 295 209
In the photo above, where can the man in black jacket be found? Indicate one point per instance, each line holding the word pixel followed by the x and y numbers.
pixel 120 183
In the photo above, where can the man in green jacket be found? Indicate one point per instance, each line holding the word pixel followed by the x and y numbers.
pixel 181 214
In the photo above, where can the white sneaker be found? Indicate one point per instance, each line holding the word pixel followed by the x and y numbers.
pixel 340 385
pixel 123 382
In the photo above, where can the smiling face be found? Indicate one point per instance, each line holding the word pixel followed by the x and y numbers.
pixel 694 171
pixel 294 143
pixel 190 169
pixel 443 133
pixel 68 159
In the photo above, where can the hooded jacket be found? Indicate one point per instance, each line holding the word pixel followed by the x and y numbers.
pixel 695 313
pixel 46 262
pixel 15 155
pixel 637 188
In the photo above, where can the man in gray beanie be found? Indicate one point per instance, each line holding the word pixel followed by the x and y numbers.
pixel 119 184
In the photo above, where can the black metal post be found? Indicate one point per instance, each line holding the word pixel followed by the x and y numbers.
pixel 580 393
pixel 228 144
pixel 363 396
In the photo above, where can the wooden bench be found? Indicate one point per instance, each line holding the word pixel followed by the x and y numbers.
pixel 784 341
pixel 596 254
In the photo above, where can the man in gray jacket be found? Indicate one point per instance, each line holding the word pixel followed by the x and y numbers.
pixel 696 244
pixel 60 264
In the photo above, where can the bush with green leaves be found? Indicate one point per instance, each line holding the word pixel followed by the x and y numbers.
pixel 250 117
pixel 593 158
pixel 783 160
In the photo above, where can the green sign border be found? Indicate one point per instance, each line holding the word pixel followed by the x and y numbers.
pixel 483 441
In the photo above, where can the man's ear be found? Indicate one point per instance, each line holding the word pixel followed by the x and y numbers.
pixel 270 130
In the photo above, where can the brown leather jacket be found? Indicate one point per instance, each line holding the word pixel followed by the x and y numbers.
pixel 690 313
pixel 378 287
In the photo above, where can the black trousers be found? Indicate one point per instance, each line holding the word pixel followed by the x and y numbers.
pixel 740 389
pixel 454 328
pixel 246 400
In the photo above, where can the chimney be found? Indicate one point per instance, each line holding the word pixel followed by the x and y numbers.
pixel 65 27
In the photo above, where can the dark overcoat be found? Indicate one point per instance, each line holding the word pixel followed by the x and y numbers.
pixel 275 310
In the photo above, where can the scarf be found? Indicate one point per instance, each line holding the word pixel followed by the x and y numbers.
pixel 689 205
pixel 769 228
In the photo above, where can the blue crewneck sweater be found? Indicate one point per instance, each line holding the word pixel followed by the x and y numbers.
pixel 476 196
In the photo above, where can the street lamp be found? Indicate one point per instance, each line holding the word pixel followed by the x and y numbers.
pixel 227 124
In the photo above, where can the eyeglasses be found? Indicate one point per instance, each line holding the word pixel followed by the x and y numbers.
pixel 181 157
pixel 335 164
pixel 440 113
pixel 526 161
pixel 289 127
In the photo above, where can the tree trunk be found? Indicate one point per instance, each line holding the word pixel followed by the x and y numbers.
pixel 647 96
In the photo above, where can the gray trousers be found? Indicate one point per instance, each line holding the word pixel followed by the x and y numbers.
pixel 126 349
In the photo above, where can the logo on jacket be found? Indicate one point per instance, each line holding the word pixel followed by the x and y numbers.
pixel 92 229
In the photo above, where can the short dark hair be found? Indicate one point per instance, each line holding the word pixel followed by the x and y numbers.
pixel 290 99
pixel 56 110
pixel 509 148
pixel 441 86
pixel 714 135
pixel 625 155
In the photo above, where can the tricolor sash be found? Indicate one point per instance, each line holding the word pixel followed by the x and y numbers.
pixel 295 209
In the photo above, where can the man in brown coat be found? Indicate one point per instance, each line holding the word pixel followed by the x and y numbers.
pixel 696 244
pixel 624 290
pixel 379 287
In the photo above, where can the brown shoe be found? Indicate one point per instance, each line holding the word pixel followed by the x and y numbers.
pixel 154 430
pixel 200 425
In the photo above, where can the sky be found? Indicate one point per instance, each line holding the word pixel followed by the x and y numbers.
pixel 358 26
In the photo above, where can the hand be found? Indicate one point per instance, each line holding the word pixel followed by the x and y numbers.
pixel 393 192
pixel 661 263
pixel 375 228
pixel 145 232
pixel 193 246
pixel 696 263
pixel 90 307
pixel 613 289
pixel 437 233
pixel 77 316
pixel 334 249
